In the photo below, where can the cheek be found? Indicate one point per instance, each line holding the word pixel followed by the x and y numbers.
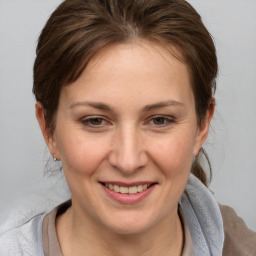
pixel 81 154
pixel 174 155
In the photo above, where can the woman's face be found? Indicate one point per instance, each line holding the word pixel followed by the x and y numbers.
pixel 126 133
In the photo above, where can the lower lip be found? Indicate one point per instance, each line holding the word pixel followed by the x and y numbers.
pixel 128 198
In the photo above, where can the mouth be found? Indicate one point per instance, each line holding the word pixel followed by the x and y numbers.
pixel 128 193
pixel 127 189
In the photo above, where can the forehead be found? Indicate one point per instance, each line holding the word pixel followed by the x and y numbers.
pixel 138 70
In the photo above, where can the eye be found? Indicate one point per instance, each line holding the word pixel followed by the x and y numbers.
pixel 94 122
pixel 160 121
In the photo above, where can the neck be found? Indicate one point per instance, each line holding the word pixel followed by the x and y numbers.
pixel 78 234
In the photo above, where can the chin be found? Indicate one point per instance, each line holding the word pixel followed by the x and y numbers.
pixel 129 223
pixel 124 229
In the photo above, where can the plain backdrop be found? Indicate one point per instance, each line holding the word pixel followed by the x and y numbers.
pixel 232 141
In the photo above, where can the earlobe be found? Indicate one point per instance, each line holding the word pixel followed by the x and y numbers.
pixel 204 128
pixel 48 136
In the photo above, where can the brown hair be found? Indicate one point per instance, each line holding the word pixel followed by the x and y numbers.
pixel 77 29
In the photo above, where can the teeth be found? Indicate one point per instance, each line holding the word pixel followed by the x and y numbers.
pixel 116 188
pixel 133 190
pixel 140 188
pixel 127 190
pixel 124 190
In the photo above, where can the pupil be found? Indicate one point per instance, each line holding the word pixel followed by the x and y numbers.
pixel 159 120
pixel 96 121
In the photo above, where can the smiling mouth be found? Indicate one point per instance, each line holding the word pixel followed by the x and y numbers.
pixel 128 189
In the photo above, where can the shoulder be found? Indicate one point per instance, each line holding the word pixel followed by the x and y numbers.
pixel 24 239
pixel 239 239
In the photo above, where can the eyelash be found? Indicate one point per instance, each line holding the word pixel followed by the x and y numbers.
pixel 167 120
pixel 87 121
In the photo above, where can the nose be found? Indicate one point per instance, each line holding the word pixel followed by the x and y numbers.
pixel 128 153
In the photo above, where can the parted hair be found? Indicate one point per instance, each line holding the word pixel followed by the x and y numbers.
pixel 78 29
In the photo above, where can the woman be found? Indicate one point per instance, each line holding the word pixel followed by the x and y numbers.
pixel 124 94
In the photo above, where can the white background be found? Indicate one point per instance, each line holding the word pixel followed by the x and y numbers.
pixel 232 141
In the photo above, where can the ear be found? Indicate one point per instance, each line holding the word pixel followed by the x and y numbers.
pixel 48 136
pixel 203 130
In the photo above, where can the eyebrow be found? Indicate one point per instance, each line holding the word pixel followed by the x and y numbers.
pixel 105 107
pixel 162 105
pixel 97 105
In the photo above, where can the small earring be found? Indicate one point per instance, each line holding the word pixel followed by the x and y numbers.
pixel 54 158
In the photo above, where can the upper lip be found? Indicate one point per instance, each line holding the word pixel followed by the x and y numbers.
pixel 130 184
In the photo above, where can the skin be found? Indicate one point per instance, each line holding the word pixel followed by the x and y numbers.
pixel 130 117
